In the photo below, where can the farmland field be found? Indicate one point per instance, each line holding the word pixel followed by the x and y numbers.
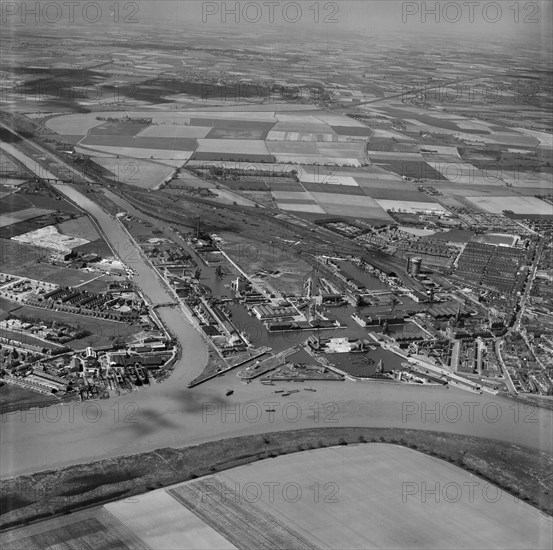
pixel 409 206
pixel 80 227
pixel 301 500
pixel 23 215
pixel 175 131
pixel 73 124
pixel 52 274
pixel 330 179
pixel 294 207
pixel 135 152
pixel 134 171
pixel 292 196
pixel 518 205
pixel 161 522
pixel 353 131
pixel 177 144
pixel 117 129
pixel 332 188
pixel 72 534
pixel 255 147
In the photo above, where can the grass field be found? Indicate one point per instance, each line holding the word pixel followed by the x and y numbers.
pixel 135 171
pixel 135 152
pixel 80 227
pixel 296 207
pixel 20 228
pixel 102 331
pixel 11 395
pixel 331 188
pixel 23 215
pixel 12 203
pixel 165 143
pixel 256 147
pixel 353 131
pixel 117 129
pixel 329 178
pixel 175 131
pixel 233 157
pixel 517 204
pixel 409 206
pixel 73 124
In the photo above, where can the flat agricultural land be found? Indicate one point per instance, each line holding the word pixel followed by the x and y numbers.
pixel 517 204
pixel 329 178
pixel 350 206
pixel 119 128
pixel 535 180
pixel 341 189
pixel 80 227
pixel 357 497
pixel 409 206
pixel 135 152
pixel 175 131
pixel 135 171
pixel 23 215
pixel 73 124
pixel 161 522
pixel 310 208
pixel 245 146
pixel 167 143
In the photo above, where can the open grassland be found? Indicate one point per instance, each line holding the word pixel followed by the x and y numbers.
pixel 293 196
pixel 23 215
pixel 174 131
pixel 74 124
pixel 516 204
pixel 136 152
pixel 350 206
pixel 81 228
pixel 245 147
pixel 102 332
pixel 120 128
pixel 135 171
pixel 12 396
pixel 298 207
pixel 328 178
pixel 167 143
pixel 18 201
pixel 409 206
pixel 334 188
pixel 527 180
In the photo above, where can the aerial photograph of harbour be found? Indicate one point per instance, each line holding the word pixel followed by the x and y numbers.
pixel 276 275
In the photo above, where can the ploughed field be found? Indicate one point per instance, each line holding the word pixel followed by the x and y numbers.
pixel 357 496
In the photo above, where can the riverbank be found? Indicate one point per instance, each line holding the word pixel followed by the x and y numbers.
pixel 514 470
